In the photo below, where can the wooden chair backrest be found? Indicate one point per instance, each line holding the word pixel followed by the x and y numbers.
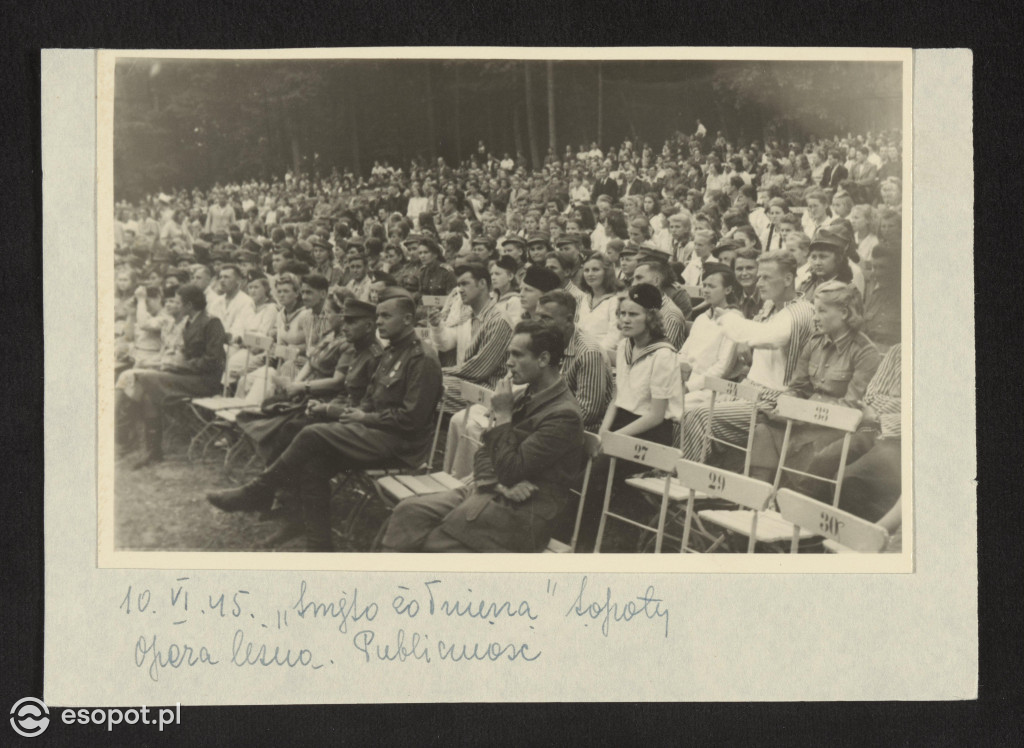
pixel 643 452
pixel 591 444
pixel 739 390
pixel 819 413
pixel 739 489
pixel 256 342
pixel 474 394
pixel 433 302
pixel 846 529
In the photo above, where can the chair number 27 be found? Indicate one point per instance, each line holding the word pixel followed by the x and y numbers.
pixel 640 452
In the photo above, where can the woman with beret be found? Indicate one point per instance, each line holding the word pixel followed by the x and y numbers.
pixel 649 391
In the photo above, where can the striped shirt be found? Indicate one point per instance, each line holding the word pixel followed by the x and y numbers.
pixel 589 377
pixel 777 337
pixel 675 324
pixel 488 350
pixel 883 394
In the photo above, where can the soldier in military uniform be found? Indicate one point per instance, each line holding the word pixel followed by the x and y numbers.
pixel 356 364
pixel 391 426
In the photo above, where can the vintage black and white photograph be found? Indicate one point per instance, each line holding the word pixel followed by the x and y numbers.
pixel 566 305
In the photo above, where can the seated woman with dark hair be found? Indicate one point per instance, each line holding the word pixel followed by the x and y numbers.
pixel 434 279
pixel 505 289
pixel 827 260
pixel 835 366
pixel 707 351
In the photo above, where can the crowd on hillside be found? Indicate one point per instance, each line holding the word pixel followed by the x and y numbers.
pixel 626 277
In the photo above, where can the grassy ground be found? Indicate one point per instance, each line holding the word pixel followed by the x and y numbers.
pixel 163 507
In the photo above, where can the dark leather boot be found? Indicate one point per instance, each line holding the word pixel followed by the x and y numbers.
pixel 154 444
pixel 257 495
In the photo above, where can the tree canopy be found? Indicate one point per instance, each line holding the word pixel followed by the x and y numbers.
pixel 183 123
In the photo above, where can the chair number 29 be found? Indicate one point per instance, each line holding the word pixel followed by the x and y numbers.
pixel 830 524
pixel 640 452
pixel 716 481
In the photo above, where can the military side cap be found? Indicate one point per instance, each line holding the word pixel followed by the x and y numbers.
pixel 830 238
pixel 356 309
pixel 394 292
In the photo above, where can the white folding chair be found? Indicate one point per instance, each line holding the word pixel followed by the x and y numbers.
pixel 679 491
pixel 774 528
pixel 433 302
pixel 848 532
pixel 738 489
pixel 656 456
pixel 798 410
pixel 217 413
pixel 739 391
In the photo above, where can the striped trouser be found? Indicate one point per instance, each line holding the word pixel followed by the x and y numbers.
pixel 731 423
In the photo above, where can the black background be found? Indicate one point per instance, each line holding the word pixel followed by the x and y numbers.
pixel 992 30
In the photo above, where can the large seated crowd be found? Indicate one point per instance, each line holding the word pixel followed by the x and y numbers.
pixel 601 292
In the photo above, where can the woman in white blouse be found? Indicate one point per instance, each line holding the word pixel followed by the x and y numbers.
pixel 708 352
pixel 504 289
pixel 649 391
pixel 598 312
pixel 418 203
pixel 262 322
pixel 864 220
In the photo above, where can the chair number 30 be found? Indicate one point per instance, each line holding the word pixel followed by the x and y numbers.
pixel 716 481
pixel 640 452
pixel 831 524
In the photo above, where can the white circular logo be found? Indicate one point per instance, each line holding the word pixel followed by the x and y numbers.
pixel 29 717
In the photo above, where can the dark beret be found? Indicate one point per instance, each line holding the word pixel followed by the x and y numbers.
pixel 541 278
pixel 645 295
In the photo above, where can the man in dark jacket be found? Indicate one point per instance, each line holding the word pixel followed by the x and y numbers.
pixel 835 172
pixel 390 427
pixel 198 375
pixel 523 472
pixel 604 185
